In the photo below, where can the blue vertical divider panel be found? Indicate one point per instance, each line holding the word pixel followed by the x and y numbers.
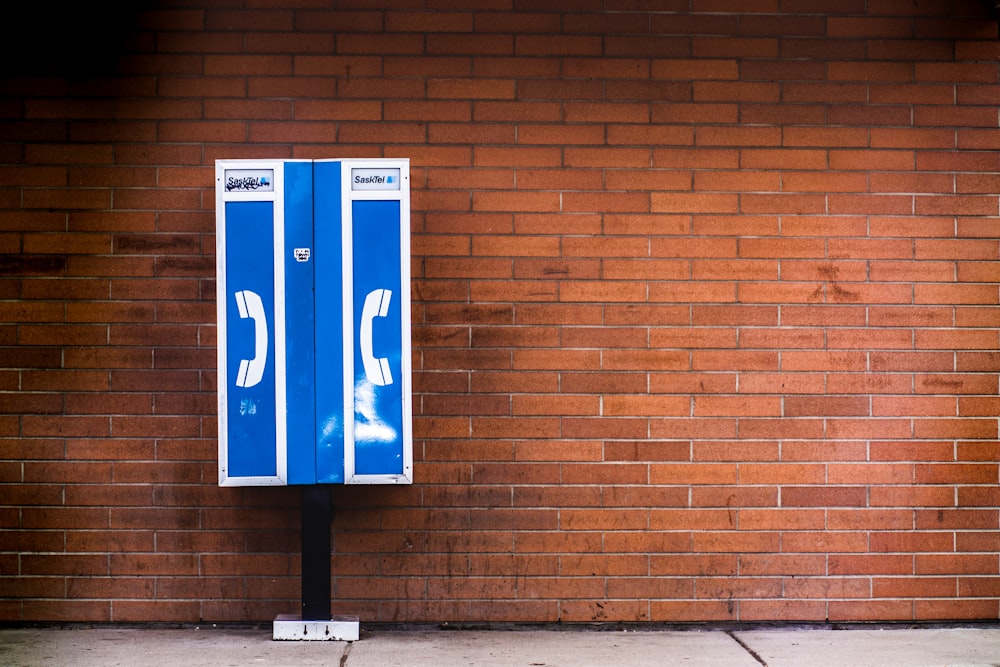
pixel 313 322
pixel 300 325
pixel 330 423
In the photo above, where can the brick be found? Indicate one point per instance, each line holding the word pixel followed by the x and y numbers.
pixel 918 451
pixel 695 24
pixel 634 269
pixel 635 406
pixel 925 587
pixel 76 564
pixel 879 428
pixel 936 116
pixel 948 205
pixel 470 89
pixel 964 339
pixel 694 203
pixel 784 115
pixel 645 450
pixel 977 407
pixel 962 294
pixel 730 91
pixel 871 564
pixel 735 136
pixel 953 610
pixel 736 542
pixel 875 519
pixel 568 45
pixel 785 70
pixel 969 473
pixel 605 112
pixel 680 611
pixel 559 134
pixel 825 542
pixel 606 68
pixel 966 249
pixel 780 293
pixel 809 406
pixel 781 564
pixel 745 360
pixel 558 89
pixel 723 496
pixel 781 520
pixel 691 293
pixel 597 22
pixel 829 587
pixel 875 115
pixel 511 290
pixel 693 473
pixel 957 383
pixel 584 427
pixel 758 406
pixel 778 383
pixel 35 426
pixel 658 497
pixel 603 520
pixel 938 564
pixel 610 202
pixel 678 113
pixel 974 541
pixel 492 66
pixel 580 337
pixel 687 338
pixel 746 588
pixel 633 89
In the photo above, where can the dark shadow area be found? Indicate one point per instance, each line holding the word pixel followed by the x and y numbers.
pixel 66 39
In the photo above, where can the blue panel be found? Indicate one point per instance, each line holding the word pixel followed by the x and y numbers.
pixel 378 375
pixel 249 323
pixel 299 323
pixel 329 323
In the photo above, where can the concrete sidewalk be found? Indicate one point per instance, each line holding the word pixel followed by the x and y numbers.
pixel 239 646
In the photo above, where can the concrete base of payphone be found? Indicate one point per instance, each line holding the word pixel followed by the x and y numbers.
pixel 312 623
pixel 339 628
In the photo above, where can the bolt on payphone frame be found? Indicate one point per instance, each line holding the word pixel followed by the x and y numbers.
pixel 314 362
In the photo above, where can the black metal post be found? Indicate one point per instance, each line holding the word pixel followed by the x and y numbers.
pixel 317 517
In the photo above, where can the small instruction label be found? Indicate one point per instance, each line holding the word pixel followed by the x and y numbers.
pixel 301 254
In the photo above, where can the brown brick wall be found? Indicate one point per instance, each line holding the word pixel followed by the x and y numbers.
pixel 705 309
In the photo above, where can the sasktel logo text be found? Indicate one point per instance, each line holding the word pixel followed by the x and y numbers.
pixel 247 183
pixel 374 179
pixel 249 180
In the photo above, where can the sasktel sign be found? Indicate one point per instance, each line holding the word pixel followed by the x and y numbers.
pixel 375 179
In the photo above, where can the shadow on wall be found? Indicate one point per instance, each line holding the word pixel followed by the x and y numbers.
pixel 82 39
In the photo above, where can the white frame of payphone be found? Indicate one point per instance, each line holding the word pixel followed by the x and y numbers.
pixel 277 197
pixel 403 196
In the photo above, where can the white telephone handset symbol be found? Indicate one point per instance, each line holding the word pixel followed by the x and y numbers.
pixel 252 370
pixel 376 368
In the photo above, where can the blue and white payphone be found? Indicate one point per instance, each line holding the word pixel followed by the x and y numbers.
pixel 313 322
